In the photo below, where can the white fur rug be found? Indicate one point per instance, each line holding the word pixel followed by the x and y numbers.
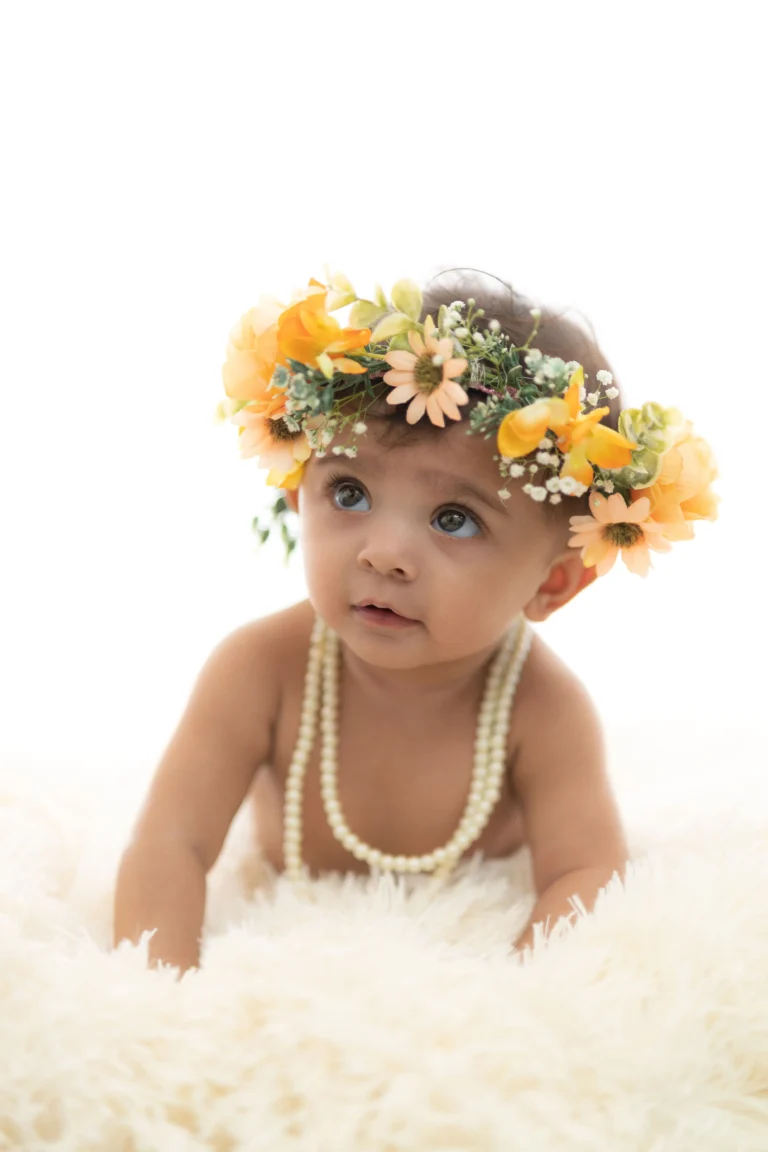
pixel 368 1021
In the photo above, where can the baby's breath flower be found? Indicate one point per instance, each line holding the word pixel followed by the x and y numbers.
pixel 533 358
pixel 592 398
pixel 555 499
pixel 611 393
pixel 461 332
pixel 478 338
pixel 337 449
pixel 527 488
pixel 538 494
pixel 504 494
pixel 516 470
pixel 608 486
pixel 582 393
pixel 568 485
pixel 605 377
pixel 437 359
pixel 536 313
pixel 350 451
pixel 321 452
pixel 494 325
pixel 471 301
pixel 325 437
pixel 542 457
pixel 545 444
pixel 533 468
pixel 553 484
pixel 457 304
pixel 360 428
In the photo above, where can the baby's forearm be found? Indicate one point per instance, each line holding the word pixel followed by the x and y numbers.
pixel 554 902
pixel 162 886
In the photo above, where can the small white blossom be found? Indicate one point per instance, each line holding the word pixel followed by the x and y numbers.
pixel 457 304
pixel 611 393
pixel 533 468
pixel 337 449
pixel 568 485
pixel 527 488
pixel 538 494
pixel 494 325
pixel 320 452
pixel 359 428
pixel 516 470
pixel 555 499
pixel 326 437
pixel 536 313
pixel 605 377
pixel 437 360
pixel 545 444
pixel 533 357
pixel 608 486
pixel 478 338
pixel 582 393
pixel 542 457
pixel 471 301
pixel 592 398
pixel 579 489
pixel 553 484
pixel 350 451
pixel 504 494
pixel 461 333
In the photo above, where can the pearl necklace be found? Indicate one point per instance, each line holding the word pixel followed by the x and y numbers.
pixel 490 748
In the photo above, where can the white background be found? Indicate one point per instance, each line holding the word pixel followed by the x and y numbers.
pixel 165 164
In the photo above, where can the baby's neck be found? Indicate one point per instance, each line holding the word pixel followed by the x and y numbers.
pixel 431 685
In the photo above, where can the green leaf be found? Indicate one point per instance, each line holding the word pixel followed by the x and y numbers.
pixel 364 314
pixel 392 326
pixel 406 297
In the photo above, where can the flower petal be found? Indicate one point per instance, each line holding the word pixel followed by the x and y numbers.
pixel 416 342
pixel 416 408
pixel 398 358
pixel 637 558
pixel 617 509
pixel 608 449
pixel 455 391
pixel 397 377
pixel 454 367
pixel 576 466
pixel 402 393
pixel 447 404
pixel 520 431
pixel 435 412
pixel 638 510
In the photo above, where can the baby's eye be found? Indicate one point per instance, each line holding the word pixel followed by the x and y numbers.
pixel 346 493
pixel 455 518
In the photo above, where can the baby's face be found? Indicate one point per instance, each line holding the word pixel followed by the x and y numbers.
pixel 400 525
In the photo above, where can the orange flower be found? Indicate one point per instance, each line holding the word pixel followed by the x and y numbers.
pixel 252 352
pixel 306 332
pixel 617 527
pixel 580 436
pixel 264 433
pixel 681 492
pixel 430 387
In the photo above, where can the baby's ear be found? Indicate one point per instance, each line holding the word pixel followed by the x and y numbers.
pixel 566 578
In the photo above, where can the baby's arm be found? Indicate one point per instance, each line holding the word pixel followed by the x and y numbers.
pixel 572 821
pixel 201 781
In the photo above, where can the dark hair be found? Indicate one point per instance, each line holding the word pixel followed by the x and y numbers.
pixel 558 335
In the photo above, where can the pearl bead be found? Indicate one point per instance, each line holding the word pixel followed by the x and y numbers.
pixel 321 704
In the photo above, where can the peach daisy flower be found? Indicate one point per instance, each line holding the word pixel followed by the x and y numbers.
pixel 430 387
pixel 617 527
pixel 264 433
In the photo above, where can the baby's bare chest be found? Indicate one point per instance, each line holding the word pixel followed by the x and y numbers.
pixel 403 781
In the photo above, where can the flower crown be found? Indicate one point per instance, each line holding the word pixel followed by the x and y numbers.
pixel 295 381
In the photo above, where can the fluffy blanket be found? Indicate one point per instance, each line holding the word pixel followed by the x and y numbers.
pixel 371 1020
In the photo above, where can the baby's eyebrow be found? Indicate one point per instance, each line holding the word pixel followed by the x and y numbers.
pixel 434 476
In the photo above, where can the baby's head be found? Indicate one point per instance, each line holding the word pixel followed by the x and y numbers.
pixel 415 519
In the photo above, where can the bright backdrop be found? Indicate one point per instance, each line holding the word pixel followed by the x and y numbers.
pixel 167 163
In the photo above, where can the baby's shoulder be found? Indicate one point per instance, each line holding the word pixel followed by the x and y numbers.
pixel 280 641
pixel 550 693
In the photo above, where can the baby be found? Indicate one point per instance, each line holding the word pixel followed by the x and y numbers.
pixel 405 715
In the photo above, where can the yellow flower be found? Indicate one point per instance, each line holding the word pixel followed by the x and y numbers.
pixel 305 332
pixel 615 527
pixel 430 387
pixel 580 435
pixel 264 433
pixel 252 352
pixel 682 490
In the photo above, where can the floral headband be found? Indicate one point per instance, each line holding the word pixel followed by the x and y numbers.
pixel 296 381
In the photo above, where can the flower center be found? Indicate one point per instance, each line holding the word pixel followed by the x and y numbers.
pixel 427 376
pixel 623 535
pixel 281 431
